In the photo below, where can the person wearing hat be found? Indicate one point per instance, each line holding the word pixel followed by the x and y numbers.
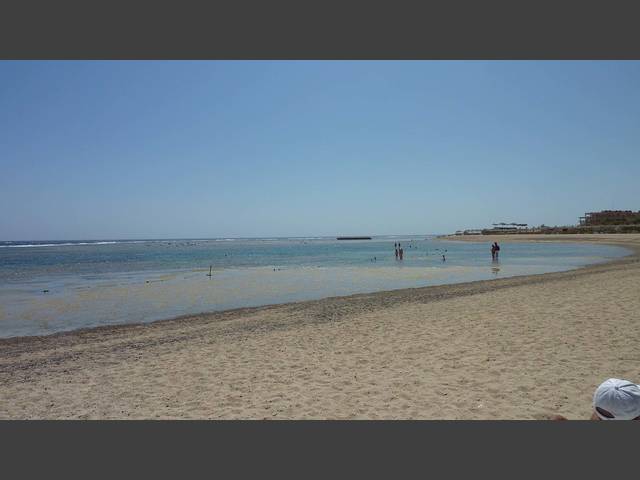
pixel 616 399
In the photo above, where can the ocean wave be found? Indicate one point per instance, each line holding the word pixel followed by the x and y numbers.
pixel 33 245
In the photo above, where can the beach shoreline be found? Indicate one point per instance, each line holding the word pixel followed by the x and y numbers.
pixel 632 244
pixel 47 376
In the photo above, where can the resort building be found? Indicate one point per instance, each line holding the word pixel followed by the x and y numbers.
pixel 507 228
pixel 611 217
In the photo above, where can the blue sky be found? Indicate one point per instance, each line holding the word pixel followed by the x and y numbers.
pixel 217 149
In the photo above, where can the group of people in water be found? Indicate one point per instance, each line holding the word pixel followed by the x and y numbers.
pixel 495 249
pixel 399 251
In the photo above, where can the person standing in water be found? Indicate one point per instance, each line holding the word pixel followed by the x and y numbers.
pixel 493 251
pixel 497 247
pixel 395 245
pixel 401 251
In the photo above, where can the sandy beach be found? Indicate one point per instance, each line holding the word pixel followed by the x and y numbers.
pixel 513 348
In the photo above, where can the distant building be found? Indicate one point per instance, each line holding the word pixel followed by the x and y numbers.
pixel 498 228
pixel 611 217
pixel 503 227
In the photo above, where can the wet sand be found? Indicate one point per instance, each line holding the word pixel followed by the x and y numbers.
pixel 514 348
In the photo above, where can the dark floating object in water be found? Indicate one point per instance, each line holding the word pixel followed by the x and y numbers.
pixel 353 238
pixel 45 291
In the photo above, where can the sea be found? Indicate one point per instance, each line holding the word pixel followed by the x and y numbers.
pixel 54 286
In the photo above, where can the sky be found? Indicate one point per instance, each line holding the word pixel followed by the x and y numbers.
pixel 141 149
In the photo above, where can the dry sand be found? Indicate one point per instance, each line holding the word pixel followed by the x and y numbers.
pixel 516 348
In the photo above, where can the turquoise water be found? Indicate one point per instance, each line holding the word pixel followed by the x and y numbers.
pixel 111 281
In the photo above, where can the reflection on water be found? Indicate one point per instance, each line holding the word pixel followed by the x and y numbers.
pixel 108 284
pixel 495 268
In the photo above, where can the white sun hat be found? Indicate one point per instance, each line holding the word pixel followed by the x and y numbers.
pixel 617 399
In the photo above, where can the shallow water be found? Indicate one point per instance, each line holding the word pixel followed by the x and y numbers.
pixel 111 282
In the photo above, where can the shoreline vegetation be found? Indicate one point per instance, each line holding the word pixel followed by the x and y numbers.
pixel 544 230
pixel 522 347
